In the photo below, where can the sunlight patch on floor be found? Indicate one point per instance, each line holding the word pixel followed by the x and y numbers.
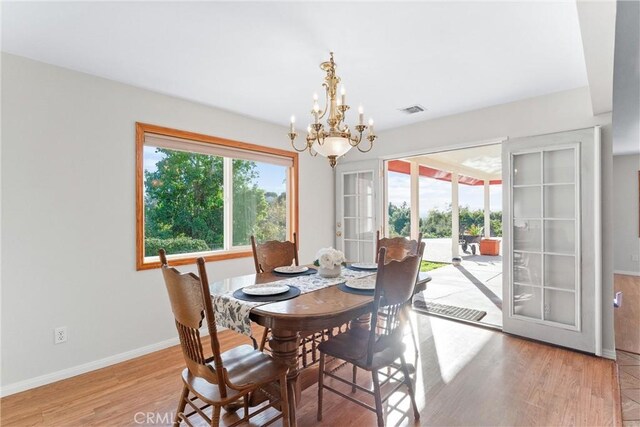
pixel 454 350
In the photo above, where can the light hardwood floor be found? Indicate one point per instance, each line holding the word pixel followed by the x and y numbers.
pixel 627 324
pixel 465 376
pixel 627 317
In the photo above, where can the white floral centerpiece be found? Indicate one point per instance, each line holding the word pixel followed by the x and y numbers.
pixel 330 261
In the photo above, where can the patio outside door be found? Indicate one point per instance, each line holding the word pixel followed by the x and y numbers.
pixel 357 207
pixel 552 238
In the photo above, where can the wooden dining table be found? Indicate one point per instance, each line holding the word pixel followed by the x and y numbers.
pixel 288 320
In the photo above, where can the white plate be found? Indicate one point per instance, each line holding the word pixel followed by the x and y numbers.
pixel 291 269
pixel 364 283
pixel 262 290
pixel 365 265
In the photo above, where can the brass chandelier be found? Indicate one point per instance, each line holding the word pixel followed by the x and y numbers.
pixel 337 140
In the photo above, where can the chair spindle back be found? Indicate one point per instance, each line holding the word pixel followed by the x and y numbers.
pixel 397 247
pixel 191 304
pixel 274 253
pixel 395 284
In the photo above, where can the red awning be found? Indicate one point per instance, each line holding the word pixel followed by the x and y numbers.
pixel 400 166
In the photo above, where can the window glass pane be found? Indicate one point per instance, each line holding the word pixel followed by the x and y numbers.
pixel 259 202
pixel 183 201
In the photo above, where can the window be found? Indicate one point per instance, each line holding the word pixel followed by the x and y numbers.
pixel 200 195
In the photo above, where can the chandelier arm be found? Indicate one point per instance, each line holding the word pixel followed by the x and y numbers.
pixel 355 141
pixel 326 101
pixel 367 150
pixel 293 144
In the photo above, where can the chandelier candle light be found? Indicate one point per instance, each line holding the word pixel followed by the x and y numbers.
pixel 338 139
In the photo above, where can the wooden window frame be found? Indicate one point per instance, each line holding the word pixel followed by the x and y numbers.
pixel 219 255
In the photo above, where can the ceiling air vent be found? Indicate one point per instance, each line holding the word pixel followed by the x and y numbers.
pixel 413 109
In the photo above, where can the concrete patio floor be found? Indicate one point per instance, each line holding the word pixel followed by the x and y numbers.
pixel 475 284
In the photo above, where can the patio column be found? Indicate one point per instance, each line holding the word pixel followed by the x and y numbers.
pixel 455 216
pixel 415 200
pixel 487 209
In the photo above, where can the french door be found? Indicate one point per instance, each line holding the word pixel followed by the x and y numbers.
pixel 357 209
pixel 552 238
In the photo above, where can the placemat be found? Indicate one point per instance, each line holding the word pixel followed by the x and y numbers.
pixel 309 272
pixel 291 293
pixel 344 288
pixel 351 267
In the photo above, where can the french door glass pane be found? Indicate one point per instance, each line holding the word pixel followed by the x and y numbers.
pixel 365 229
pixel 527 235
pixel 559 166
pixel 545 250
pixel 365 183
pixel 365 205
pixel 527 268
pixel 526 169
pixel 366 252
pixel 350 228
pixel 351 251
pixel 526 202
pixel 559 201
pixel 559 236
pixel 527 301
pixel 350 183
pixel 350 209
pixel 358 209
pixel 560 306
pixel 560 271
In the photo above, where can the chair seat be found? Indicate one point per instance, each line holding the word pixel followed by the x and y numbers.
pixel 245 366
pixel 351 346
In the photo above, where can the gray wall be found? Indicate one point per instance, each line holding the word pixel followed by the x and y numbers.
pixel 68 217
pixel 626 248
pixel 556 112
pixel 626 79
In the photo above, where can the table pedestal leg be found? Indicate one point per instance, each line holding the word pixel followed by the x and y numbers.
pixel 362 322
pixel 284 347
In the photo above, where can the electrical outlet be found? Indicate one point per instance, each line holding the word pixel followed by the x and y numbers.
pixel 60 335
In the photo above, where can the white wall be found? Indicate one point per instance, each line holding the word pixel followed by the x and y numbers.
pixel 557 112
pixel 68 215
pixel 626 250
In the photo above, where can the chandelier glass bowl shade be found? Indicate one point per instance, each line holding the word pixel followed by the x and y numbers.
pixel 334 139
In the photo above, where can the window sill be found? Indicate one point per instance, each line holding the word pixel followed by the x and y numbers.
pixel 149 263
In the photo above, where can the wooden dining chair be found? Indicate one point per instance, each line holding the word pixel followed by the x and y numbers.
pixel 382 344
pixel 270 255
pixel 396 249
pixel 222 378
pixel 273 254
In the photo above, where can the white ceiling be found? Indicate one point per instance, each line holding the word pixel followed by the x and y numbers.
pixel 482 162
pixel 261 59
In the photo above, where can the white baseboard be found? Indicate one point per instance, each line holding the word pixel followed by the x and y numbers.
pixel 84 368
pixel 609 354
pixel 627 273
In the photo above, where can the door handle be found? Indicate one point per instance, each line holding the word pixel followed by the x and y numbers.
pixel 338 233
